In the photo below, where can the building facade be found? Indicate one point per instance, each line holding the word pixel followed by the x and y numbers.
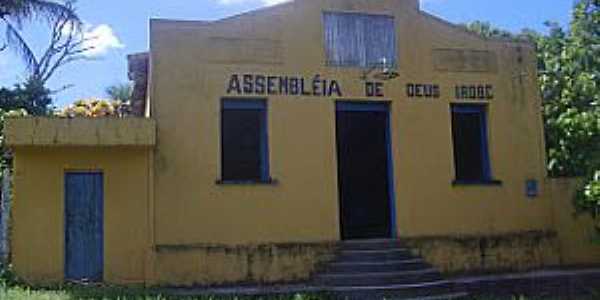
pixel 272 135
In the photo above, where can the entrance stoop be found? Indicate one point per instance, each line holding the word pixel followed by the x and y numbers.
pixel 383 269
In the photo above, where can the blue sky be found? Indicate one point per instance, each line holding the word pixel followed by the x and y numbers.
pixel 121 27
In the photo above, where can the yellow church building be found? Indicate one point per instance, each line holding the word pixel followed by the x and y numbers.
pixel 268 141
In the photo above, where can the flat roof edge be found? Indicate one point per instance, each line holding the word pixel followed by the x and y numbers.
pixel 62 132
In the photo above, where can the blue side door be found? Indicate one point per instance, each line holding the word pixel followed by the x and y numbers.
pixel 84 233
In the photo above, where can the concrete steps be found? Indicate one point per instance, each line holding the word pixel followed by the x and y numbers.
pixel 559 283
pixel 379 278
pixel 375 255
pixel 382 269
pixel 377 266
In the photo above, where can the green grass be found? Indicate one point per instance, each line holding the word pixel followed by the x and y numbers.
pixel 72 292
pixel 114 293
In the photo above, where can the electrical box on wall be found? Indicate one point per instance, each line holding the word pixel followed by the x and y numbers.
pixel 532 188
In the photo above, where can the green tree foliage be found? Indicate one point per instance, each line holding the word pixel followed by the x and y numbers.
pixel 488 31
pixel 31 96
pixel 21 100
pixel 569 77
pixel 569 63
pixel 120 92
pixel 65 46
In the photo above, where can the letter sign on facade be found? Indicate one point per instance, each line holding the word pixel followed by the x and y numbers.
pixel 374 89
pixel 258 84
pixel 422 90
pixel 475 92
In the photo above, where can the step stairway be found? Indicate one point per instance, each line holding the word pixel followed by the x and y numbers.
pixel 383 269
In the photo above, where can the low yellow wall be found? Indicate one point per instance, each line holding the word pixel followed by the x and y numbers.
pixel 517 251
pixel 130 257
pixel 575 231
pixel 569 240
pixel 218 265
pixel 37 243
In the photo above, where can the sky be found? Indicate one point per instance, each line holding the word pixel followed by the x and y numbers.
pixel 120 27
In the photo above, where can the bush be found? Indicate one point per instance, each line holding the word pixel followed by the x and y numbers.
pixel 96 108
pixel 8 277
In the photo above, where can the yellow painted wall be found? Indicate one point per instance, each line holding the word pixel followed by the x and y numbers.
pixel 191 63
pixel 37 237
pixel 570 240
pixel 218 264
pixel 191 67
pixel 169 222
pixel 508 252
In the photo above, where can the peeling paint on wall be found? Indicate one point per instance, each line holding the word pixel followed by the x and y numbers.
pixel 516 251
pixel 208 265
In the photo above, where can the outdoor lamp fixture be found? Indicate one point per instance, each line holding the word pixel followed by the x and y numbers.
pixel 382 71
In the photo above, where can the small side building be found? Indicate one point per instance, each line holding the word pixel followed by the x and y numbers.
pixel 81 198
pixel 266 138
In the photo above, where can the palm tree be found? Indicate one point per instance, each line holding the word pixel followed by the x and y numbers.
pixel 13 13
pixel 121 92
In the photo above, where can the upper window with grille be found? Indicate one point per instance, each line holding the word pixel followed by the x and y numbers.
pixel 359 40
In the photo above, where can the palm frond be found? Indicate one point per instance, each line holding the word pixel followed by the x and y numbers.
pixel 21 10
pixel 121 91
pixel 53 10
pixel 16 42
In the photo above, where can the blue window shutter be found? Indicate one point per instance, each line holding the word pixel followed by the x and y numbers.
pixel 485 151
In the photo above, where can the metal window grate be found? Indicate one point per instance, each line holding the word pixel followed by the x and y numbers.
pixel 359 40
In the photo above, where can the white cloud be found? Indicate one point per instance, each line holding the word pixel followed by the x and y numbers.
pixel 263 2
pixel 100 39
pixel 430 1
pixel 273 2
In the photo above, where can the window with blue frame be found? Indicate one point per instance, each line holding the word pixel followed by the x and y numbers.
pixel 244 145
pixel 471 155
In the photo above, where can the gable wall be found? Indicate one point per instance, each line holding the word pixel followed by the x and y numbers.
pixel 191 67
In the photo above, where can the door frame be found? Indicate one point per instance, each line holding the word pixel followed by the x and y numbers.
pixel 366 106
pixel 65 188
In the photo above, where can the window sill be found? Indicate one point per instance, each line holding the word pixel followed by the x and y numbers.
pixel 477 183
pixel 247 182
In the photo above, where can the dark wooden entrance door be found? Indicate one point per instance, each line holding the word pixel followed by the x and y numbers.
pixel 84 238
pixel 363 170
